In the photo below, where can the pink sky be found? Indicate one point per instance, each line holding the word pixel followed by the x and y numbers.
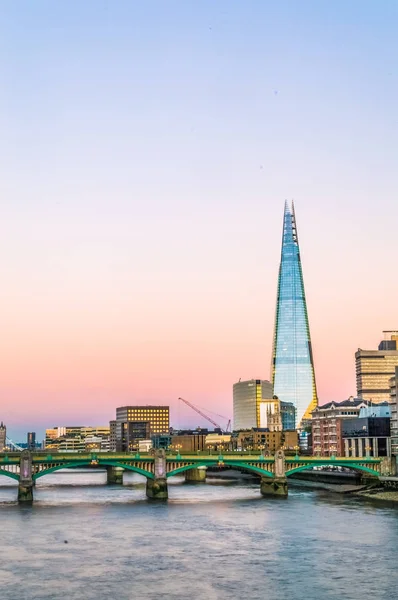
pixel 145 169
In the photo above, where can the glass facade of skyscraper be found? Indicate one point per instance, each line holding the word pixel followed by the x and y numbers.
pixel 293 375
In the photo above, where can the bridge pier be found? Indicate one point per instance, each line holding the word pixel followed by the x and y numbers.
pixel 114 475
pixel 26 483
pixel 196 475
pixel 277 486
pixel 274 487
pixel 156 488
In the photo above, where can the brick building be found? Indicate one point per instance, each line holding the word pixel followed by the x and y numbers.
pixel 327 438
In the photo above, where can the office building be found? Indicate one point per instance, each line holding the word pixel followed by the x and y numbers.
pixel 112 436
pixel 366 436
pixel 374 369
pixel 293 374
pixel 252 402
pixel 394 414
pixel 305 442
pixel 3 436
pixel 254 406
pixel 288 415
pixel 134 423
pixel 327 438
pixel 31 440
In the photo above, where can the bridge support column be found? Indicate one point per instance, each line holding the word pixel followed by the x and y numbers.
pixel 156 488
pixel 388 467
pixel 114 475
pixel 25 487
pixel 274 487
pixel 278 485
pixel 196 475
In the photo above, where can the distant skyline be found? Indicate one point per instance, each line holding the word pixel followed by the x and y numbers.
pixel 147 150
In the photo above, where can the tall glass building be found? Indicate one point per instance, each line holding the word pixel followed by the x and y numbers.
pixel 293 374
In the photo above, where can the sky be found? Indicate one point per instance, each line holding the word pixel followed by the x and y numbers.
pixel 146 152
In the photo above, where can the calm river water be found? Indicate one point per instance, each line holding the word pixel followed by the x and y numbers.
pixel 212 541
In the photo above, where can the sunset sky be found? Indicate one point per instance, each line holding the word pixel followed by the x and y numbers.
pixel 147 149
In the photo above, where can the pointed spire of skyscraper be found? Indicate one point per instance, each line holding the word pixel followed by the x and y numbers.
pixel 293 374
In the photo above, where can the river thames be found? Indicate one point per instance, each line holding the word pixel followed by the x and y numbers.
pixel 214 541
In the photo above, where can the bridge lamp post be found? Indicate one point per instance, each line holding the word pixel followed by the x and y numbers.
pixel 368 449
pixel 297 448
pixel 177 447
pixel 333 450
pixel 210 448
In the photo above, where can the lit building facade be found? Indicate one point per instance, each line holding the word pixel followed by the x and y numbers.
pixel 374 369
pixel 252 401
pixel 394 414
pixel 259 439
pixel 293 374
pixel 73 438
pixel 254 406
pixel 134 423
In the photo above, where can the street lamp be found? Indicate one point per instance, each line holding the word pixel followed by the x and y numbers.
pixel 333 452
pixel 297 448
pixel 210 448
pixel 177 447
pixel 368 449
pixel 262 447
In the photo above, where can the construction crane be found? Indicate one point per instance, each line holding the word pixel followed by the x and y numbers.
pixel 202 414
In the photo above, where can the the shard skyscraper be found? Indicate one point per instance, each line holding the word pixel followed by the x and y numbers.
pixel 293 374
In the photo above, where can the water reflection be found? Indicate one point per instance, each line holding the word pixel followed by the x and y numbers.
pixel 218 540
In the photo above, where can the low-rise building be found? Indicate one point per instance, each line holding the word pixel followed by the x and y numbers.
pixel 189 440
pixel 144 445
pixel 260 439
pixel 394 414
pixel 95 443
pixel 327 439
pixel 218 441
pixel 161 440
pixel 366 436
pixel 74 438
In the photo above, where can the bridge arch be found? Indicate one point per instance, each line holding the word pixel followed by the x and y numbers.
pixel 110 463
pixel 334 463
pixel 9 474
pixel 214 463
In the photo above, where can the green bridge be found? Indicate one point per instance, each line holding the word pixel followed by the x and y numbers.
pixel 26 467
